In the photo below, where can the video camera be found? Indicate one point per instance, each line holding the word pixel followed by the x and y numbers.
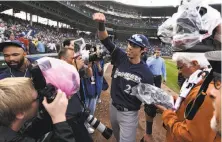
pixel 192 28
pixel 49 91
pixel 88 52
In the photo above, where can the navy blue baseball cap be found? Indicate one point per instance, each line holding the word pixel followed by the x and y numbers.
pixel 12 43
pixel 139 40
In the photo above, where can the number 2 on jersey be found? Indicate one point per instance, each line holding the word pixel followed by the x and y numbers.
pixel 128 89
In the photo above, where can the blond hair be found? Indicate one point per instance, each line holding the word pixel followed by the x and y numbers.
pixel 16 95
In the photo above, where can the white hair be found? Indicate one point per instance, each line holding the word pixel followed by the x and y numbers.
pixel 187 58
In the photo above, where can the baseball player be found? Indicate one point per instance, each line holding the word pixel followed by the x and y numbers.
pixel 130 71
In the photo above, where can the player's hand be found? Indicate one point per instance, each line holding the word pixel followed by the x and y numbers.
pixel 161 108
pixel 99 17
pixel 57 108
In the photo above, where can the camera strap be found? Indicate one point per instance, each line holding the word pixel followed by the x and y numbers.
pixel 194 105
pixel 83 91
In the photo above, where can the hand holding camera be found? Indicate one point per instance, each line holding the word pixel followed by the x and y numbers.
pixel 78 62
pixel 57 108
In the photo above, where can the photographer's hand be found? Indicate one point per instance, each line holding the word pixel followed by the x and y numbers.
pixel 89 64
pixel 57 108
pixel 79 62
pixel 99 66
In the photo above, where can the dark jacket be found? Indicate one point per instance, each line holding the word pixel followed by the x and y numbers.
pixel 61 133
pixel 16 73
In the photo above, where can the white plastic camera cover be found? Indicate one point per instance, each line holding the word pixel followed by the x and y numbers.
pixel 183 28
pixel 149 94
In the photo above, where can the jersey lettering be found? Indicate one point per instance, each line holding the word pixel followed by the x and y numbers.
pixel 127 76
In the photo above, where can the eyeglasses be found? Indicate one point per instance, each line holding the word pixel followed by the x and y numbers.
pixel 181 67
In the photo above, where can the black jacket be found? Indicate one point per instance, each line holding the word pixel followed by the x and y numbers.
pixel 61 133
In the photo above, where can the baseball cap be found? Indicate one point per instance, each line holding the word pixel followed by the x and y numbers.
pixel 214 58
pixel 139 40
pixel 12 43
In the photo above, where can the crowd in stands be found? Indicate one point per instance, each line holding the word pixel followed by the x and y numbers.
pixel 37 38
pixel 88 10
pixel 115 7
pixel 139 23
pixel 166 50
pixel 40 38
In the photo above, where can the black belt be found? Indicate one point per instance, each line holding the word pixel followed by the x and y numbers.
pixel 156 75
pixel 121 108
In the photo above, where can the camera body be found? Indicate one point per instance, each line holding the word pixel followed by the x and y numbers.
pixel 88 52
pixel 95 53
pixel 44 90
pixel 50 91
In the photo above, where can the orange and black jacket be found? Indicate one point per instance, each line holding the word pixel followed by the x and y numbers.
pixel 197 129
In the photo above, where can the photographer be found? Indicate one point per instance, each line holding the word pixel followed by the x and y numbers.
pixel 96 86
pixel 19 103
pixel 76 103
pixel 179 126
pixel 75 107
pixel 99 78
pixel 77 62
pixel 190 118
pixel 129 72
pixel 92 84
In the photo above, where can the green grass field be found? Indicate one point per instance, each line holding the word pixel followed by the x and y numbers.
pixel 172 74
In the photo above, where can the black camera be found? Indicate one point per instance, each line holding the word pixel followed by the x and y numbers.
pixel 94 122
pixel 88 52
pixel 39 82
pixel 49 91
pixel 95 54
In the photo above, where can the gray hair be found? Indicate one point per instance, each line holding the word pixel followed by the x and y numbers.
pixel 187 58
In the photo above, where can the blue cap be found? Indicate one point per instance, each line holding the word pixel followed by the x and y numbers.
pixel 12 43
pixel 140 40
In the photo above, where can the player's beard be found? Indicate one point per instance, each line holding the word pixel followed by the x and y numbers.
pixel 16 64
